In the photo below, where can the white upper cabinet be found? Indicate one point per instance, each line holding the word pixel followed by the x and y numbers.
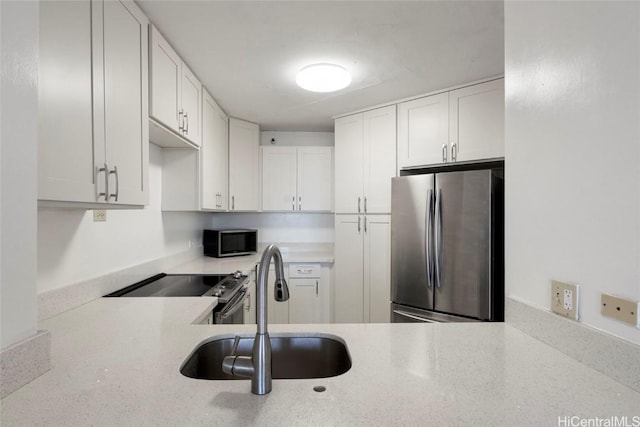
pixel 465 124
pixel 297 179
pixel 244 165
pixel 93 103
pixel 423 129
pixel 476 121
pixel 213 154
pixel 175 97
pixel 365 161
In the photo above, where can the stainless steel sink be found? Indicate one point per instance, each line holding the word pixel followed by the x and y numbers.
pixel 293 356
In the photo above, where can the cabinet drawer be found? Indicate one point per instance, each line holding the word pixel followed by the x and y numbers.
pixel 304 270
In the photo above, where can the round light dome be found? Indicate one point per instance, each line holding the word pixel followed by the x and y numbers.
pixel 323 78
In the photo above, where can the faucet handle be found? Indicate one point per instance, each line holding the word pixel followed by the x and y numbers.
pixel 281 290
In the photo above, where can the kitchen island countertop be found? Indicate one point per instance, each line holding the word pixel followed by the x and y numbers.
pixel 115 361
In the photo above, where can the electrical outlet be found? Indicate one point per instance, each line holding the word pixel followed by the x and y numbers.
pixel 623 309
pixel 99 215
pixel 564 299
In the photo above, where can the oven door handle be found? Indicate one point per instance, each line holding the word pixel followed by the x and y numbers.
pixel 234 305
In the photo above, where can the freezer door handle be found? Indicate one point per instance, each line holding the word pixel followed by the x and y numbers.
pixel 438 238
pixel 428 236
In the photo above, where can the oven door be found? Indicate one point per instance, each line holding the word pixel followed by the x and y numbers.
pixel 233 311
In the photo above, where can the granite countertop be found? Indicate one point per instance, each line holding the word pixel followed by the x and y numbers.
pixel 115 361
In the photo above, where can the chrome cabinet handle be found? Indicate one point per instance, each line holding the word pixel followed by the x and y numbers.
pixel 293 203
pixel 180 120
pixel 186 126
pixel 365 204
pixel 316 288
pixel 115 195
pixel 438 238
pixel 300 203
pixel 444 153
pixel 358 204
pixel 428 238
pixel 365 224
pixel 104 169
pixel 454 152
pixel 358 225
pixel 248 307
pixel 233 202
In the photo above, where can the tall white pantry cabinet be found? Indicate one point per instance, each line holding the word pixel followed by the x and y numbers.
pixel 93 104
pixel 365 162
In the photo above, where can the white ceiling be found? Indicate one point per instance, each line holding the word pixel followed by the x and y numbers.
pixel 247 53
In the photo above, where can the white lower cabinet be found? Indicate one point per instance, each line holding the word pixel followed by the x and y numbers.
pixel 305 293
pixel 362 268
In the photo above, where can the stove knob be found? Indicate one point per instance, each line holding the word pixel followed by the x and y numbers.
pixel 216 294
pixel 237 274
pixel 221 291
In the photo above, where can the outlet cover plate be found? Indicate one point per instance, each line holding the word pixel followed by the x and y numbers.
pixel 623 309
pixel 564 299
pixel 99 215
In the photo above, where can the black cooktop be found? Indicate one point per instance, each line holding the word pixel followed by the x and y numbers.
pixel 172 285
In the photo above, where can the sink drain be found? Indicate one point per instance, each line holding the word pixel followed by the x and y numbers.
pixel 319 388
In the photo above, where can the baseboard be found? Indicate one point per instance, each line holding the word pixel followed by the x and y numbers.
pixel 56 301
pixel 614 357
pixel 24 361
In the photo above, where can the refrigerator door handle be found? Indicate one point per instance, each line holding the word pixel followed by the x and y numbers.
pixel 438 238
pixel 428 236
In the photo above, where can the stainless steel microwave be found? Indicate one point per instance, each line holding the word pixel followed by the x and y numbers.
pixel 224 243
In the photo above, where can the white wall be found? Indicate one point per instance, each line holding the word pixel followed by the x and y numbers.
pixel 73 248
pixel 281 227
pixel 573 153
pixel 18 163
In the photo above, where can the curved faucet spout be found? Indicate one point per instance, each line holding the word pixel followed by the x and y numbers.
pixel 258 367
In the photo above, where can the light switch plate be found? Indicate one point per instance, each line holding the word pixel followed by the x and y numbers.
pixel 564 299
pixel 623 309
pixel 99 215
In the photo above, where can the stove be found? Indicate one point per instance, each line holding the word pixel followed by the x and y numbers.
pixel 223 286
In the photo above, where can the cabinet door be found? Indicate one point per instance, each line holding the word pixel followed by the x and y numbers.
pixel 377 268
pixel 244 161
pixel 305 304
pixel 315 178
pixel 213 154
pixel 349 163
pixel 221 157
pixel 165 82
pixel 279 179
pixel 348 294
pixel 66 170
pixel 423 127
pixel 379 159
pixel 476 121
pixel 190 93
pixel 126 136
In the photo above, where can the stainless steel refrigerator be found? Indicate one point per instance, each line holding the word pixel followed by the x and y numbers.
pixel 447 247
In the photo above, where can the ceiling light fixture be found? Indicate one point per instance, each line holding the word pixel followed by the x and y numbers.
pixel 323 78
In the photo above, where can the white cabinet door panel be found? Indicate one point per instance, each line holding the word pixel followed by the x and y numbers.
pixel 305 304
pixel 190 92
pixel 315 178
pixel 476 118
pixel 165 81
pixel 379 158
pixel 423 128
pixel 348 300
pixel 244 162
pixel 349 163
pixel 279 179
pixel 221 156
pixel 377 268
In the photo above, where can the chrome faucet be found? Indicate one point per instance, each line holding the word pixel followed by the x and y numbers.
pixel 258 366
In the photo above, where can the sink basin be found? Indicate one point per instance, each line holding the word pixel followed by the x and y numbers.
pixel 293 356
